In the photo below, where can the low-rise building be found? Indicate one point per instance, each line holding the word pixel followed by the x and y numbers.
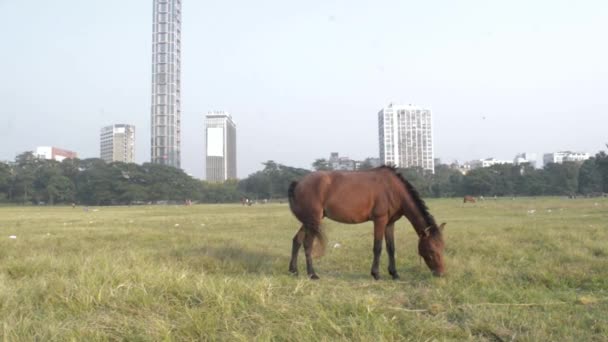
pixel 341 163
pixel 54 153
pixel 525 158
pixel 565 156
pixel 475 164
pixel 462 168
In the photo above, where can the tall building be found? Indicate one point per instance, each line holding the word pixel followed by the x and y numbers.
pixel 54 153
pixel 406 136
pixel 117 143
pixel 220 159
pixel 166 83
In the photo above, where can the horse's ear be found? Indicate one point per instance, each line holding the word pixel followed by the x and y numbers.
pixel 442 226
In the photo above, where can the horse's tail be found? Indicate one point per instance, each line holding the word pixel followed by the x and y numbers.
pixel 316 230
pixel 291 194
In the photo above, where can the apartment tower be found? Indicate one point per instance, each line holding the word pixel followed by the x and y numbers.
pixel 117 143
pixel 406 136
pixel 166 83
pixel 220 158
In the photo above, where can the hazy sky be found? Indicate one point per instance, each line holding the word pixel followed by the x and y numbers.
pixel 303 79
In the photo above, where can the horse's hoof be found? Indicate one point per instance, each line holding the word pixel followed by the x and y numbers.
pixel 314 277
pixel 376 276
pixel 395 276
pixel 293 273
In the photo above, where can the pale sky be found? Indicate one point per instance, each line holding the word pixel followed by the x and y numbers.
pixel 303 79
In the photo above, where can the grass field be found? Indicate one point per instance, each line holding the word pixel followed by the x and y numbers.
pixel 523 269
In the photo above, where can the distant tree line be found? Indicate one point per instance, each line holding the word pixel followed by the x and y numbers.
pixel 589 178
pixel 30 180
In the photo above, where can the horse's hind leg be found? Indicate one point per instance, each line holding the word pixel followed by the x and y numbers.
pixel 295 248
pixel 379 227
pixel 309 239
pixel 390 249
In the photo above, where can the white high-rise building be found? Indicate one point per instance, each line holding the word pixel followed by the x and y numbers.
pixel 406 136
pixel 117 143
pixel 166 83
pixel 220 157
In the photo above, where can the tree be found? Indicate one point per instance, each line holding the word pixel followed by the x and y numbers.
pixel 5 181
pixel 562 179
pixel 321 165
pixel 95 183
pixel 419 178
pixel 271 182
pixel 224 192
pixel 446 182
pixel 24 176
pixel 60 189
pixel 532 182
pixel 169 183
pixel 589 177
pixel 480 182
pixel 47 171
pixel 365 165
pixel 601 160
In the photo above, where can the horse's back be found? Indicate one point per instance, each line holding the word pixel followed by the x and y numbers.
pixel 348 197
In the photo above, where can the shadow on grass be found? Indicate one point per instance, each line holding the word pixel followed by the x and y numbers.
pixel 411 275
pixel 229 259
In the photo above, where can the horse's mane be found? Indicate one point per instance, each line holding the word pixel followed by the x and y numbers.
pixel 418 201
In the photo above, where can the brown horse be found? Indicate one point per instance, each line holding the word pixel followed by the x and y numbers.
pixel 468 199
pixel 380 195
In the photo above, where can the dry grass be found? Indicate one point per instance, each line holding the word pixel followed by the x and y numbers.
pixel 219 272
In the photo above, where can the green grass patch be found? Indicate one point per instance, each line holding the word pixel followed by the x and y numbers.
pixel 523 269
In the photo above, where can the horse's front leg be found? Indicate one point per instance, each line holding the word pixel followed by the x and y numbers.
pixel 379 228
pixel 390 249
pixel 295 248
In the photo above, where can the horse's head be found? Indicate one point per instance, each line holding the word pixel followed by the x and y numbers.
pixel 430 248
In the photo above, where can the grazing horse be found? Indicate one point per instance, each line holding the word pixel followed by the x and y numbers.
pixel 468 199
pixel 380 195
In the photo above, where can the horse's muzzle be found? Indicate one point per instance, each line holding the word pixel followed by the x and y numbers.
pixel 438 274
